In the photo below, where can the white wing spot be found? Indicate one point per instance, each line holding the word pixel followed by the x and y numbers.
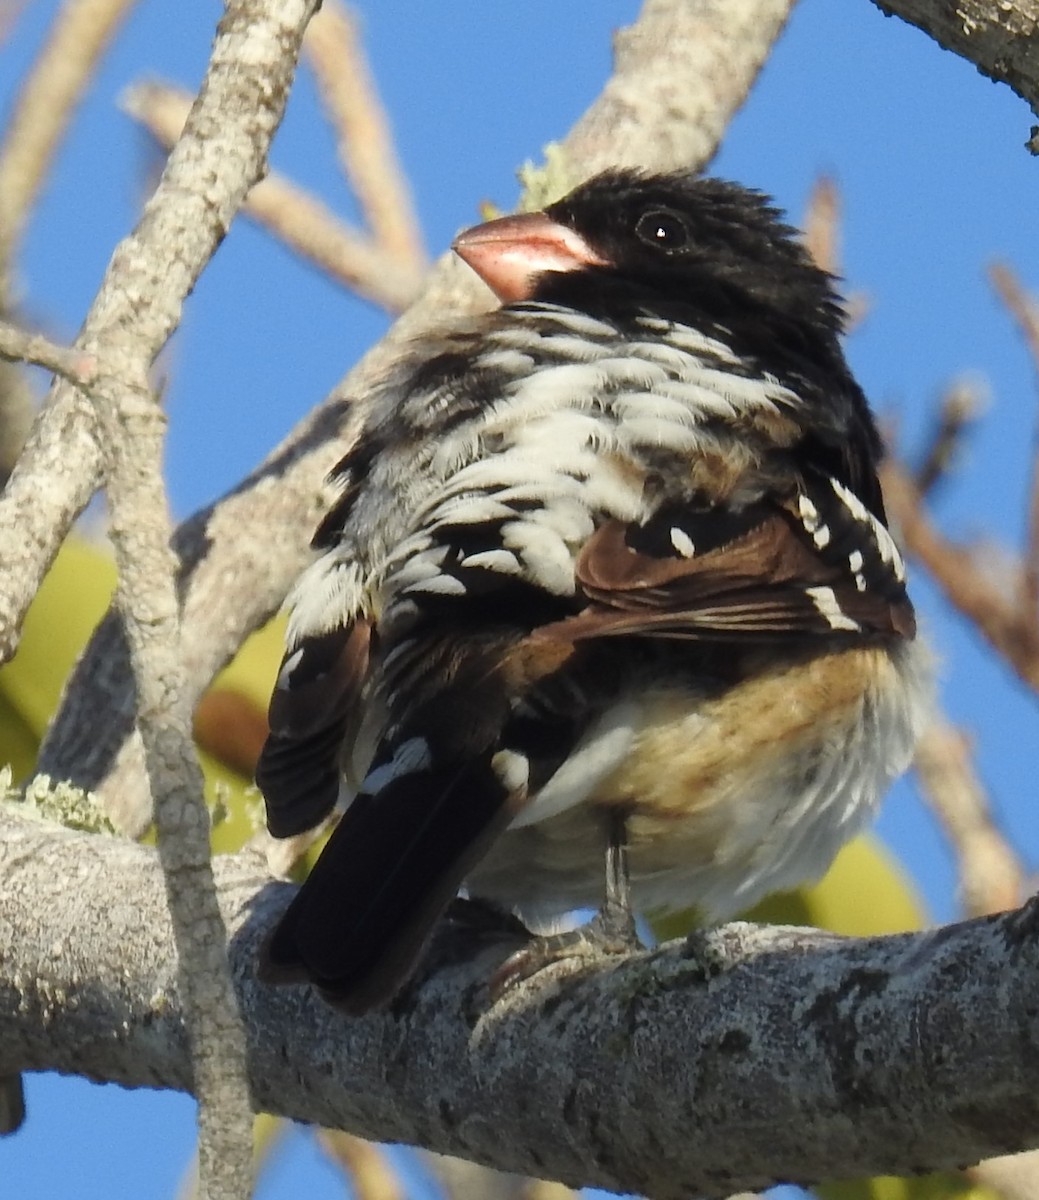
pixel 502 561
pixel 885 543
pixel 438 585
pixel 512 768
pixel 808 513
pixel 821 536
pixel 287 667
pixel 828 608
pixel 682 542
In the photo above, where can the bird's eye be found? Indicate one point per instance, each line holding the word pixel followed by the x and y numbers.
pixel 662 228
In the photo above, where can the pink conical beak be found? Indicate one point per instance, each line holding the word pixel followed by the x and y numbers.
pixel 511 253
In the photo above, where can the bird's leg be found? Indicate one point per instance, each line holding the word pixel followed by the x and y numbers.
pixel 611 931
pixel 613 927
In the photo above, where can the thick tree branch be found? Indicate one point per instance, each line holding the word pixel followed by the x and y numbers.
pixel 1001 38
pixel 750 1055
pixel 662 108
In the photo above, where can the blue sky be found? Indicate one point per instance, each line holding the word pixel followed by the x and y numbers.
pixel 936 183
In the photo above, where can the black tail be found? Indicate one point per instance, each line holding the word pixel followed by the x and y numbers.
pixel 391 866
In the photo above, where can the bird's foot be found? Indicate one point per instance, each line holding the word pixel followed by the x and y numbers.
pixel 610 933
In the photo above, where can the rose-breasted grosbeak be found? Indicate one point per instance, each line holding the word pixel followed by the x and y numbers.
pixel 609 570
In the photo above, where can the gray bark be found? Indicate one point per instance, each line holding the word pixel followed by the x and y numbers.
pixel 746 1056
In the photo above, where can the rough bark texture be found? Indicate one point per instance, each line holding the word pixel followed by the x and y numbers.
pixel 751 1055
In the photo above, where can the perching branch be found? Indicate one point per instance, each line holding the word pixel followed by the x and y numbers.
pixel 750 1055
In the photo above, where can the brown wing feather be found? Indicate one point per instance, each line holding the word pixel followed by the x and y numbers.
pixel 767 579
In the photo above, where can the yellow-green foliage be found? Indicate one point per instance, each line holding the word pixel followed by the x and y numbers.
pixel 73 598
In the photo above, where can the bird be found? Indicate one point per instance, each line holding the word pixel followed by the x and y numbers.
pixel 606 612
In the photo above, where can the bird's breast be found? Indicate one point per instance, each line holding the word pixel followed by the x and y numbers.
pixel 729 795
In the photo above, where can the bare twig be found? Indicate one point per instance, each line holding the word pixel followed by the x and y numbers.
pixel 132 426
pixel 958 410
pixel 9 14
pixel 365 142
pixel 1025 310
pixel 364 1164
pixel 1023 307
pixel 822 237
pixel 18 346
pixel 78 37
pixel 965 584
pixel 822 224
pixel 991 876
pixel 302 221
pixel 241 556
pixel 139 304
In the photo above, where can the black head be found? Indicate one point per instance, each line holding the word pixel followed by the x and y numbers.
pixel 666 241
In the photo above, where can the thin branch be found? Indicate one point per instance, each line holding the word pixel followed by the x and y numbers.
pixel 132 426
pixel 959 408
pixel 302 221
pixel 991 875
pixel 967 586
pixel 822 225
pixel 1025 310
pixel 1000 37
pixel 137 307
pixel 364 1166
pixel 822 239
pixel 366 147
pixel 222 153
pixel 78 36
pixel 668 99
pixel 16 345
pixel 9 14
pixel 668 1073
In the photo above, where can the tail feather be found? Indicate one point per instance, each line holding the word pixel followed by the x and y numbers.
pixel 391 866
